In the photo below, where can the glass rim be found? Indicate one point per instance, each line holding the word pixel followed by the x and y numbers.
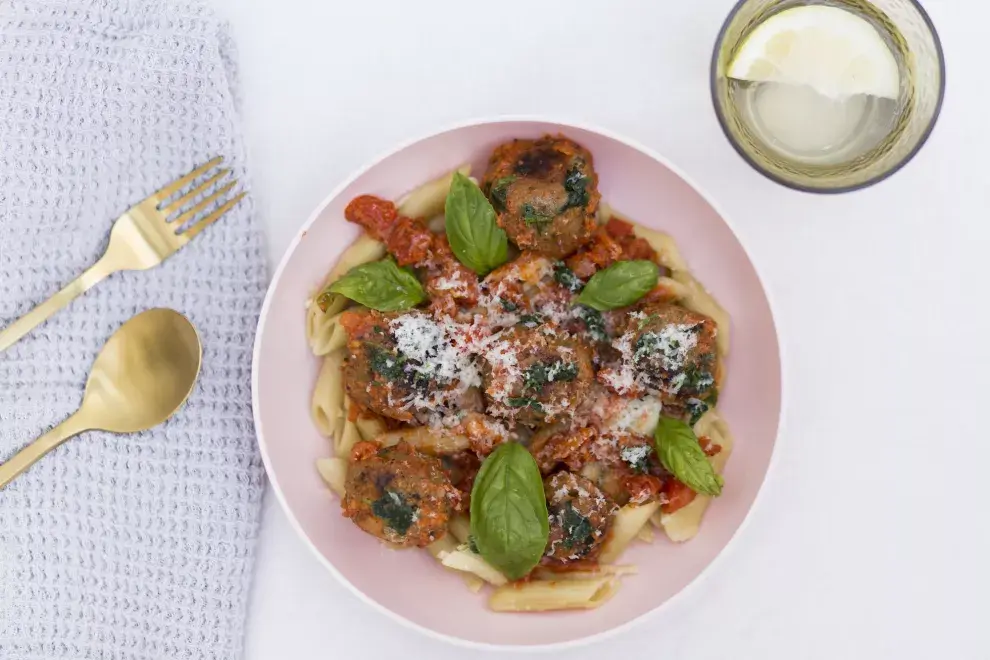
pixel 720 114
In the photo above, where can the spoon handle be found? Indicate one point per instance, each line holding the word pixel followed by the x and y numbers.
pixel 30 455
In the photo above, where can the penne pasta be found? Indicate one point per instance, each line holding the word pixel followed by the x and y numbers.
pixel 430 198
pixel 668 253
pixel 334 473
pixel 544 573
pixel 446 545
pixel 327 407
pixel 426 439
pixel 364 250
pixel 460 527
pixel 349 434
pixel 542 596
pixel 625 526
pixel 683 524
pixel 645 533
pixel 462 559
pixel 697 299
pixel 324 333
pixel 370 426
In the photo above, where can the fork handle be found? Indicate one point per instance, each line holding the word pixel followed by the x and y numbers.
pixel 12 333
pixel 31 454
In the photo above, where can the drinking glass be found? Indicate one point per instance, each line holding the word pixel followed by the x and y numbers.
pixel 883 135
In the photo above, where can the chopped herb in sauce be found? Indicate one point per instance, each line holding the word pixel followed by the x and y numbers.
pixel 393 510
pixel 566 278
pixel 696 408
pixel 542 373
pixel 532 320
pixel 524 402
pixel 637 458
pixel 594 322
pixel 508 305
pixel 472 544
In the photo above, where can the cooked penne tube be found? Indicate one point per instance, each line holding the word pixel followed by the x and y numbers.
pixel 370 426
pixel 668 254
pixel 334 473
pixel 542 596
pixel 364 250
pixel 429 199
pixel 602 570
pixel 463 559
pixel 349 434
pixel 625 526
pixel 699 300
pixel 460 527
pixel 445 545
pixel 645 533
pixel 327 407
pixel 684 523
pixel 427 439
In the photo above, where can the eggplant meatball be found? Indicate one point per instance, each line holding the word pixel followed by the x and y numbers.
pixel 545 193
pixel 536 374
pixel 666 349
pixel 398 494
pixel 580 517
pixel 405 366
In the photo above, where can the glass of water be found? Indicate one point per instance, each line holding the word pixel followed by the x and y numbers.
pixel 828 95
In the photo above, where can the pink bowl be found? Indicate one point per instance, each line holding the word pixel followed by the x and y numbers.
pixel 409 585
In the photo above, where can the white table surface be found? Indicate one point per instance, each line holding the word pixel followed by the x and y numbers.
pixel 871 536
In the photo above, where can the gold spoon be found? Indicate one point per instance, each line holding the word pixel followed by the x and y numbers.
pixel 144 373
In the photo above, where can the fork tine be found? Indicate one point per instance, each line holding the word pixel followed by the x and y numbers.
pixel 191 233
pixel 177 205
pixel 184 181
pixel 191 213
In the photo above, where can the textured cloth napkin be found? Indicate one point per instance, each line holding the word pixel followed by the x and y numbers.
pixel 122 546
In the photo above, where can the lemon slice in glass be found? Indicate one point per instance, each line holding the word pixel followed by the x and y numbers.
pixel 835 52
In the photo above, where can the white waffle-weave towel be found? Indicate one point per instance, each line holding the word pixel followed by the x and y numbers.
pixel 140 546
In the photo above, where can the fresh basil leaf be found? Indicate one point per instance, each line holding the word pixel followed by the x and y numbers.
pixel 509 519
pixel 477 241
pixel 681 454
pixel 619 285
pixel 381 285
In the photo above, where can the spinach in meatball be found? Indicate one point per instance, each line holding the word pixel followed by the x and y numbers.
pixel 398 494
pixel 405 366
pixel 580 517
pixel 545 193
pixel 664 349
pixel 535 373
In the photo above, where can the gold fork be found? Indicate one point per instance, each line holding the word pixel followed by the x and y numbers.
pixel 140 239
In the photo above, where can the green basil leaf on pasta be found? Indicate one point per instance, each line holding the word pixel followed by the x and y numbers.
pixel 619 285
pixel 381 285
pixel 681 454
pixel 509 520
pixel 475 238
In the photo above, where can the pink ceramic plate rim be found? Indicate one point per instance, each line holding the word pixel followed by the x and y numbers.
pixel 314 216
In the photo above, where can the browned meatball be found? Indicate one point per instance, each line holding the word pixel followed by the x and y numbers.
pixel 380 376
pixel 398 494
pixel 545 193
pixel 580 517
pixel 666 349
pixel 536 374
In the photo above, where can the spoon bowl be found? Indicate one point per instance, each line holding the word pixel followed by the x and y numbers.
pixel 143 375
